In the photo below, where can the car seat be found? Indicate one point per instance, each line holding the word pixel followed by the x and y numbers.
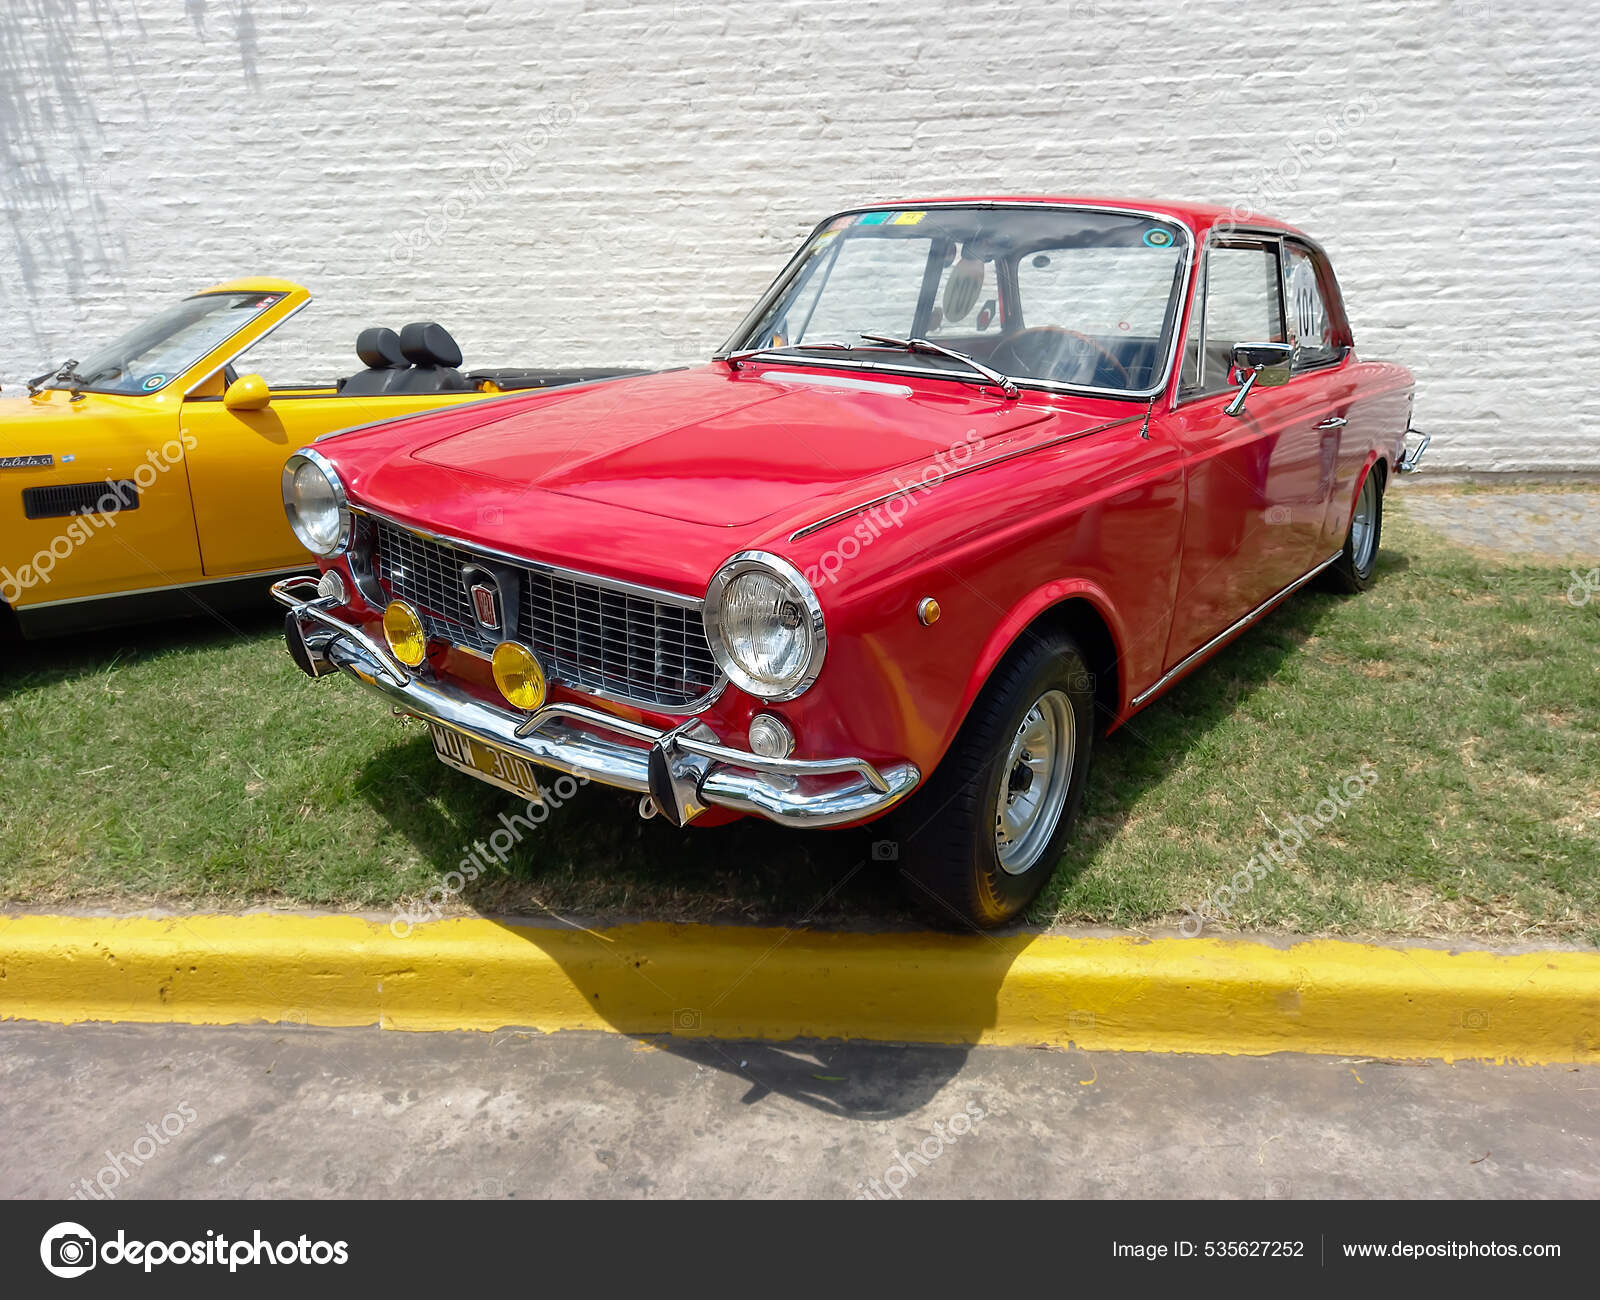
pixel 379 350
pixel 434 357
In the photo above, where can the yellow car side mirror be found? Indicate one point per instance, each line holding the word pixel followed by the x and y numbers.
pixel 247 393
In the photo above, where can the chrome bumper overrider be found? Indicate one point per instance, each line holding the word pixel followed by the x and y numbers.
pixel 1411 457
pixel 684 770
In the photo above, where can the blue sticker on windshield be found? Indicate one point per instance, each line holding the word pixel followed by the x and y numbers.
pixel 873 218
pixel 154 382
pixel 1157 237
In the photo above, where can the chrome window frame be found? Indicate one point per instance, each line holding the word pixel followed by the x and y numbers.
pixel 1245 237
pixel 1319 263
pixel 784 276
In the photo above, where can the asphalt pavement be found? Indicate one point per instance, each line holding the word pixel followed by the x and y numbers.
pixel 126 1111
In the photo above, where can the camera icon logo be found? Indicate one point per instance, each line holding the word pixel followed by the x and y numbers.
pixel 68 1250
pixel 685 1018
pixel 885 851
pixel 1475 1020
pixel 1279 515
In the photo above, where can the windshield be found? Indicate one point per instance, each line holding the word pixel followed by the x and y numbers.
pixel 148 358
pixel 1046 295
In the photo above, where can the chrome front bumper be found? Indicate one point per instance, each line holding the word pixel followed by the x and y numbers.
pixel 684 770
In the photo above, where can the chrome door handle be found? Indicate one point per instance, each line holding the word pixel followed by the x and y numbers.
pixel 1334 422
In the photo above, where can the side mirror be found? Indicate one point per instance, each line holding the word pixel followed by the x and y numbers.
pixel 1266 364
pixel 247 393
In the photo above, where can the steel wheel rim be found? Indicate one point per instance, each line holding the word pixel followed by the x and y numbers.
pixel 1034 779
pixel 1363 528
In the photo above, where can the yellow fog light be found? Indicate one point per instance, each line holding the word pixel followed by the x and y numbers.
pixel 518 675
pixel 402 629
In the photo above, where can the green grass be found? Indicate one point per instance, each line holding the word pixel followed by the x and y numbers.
pixel 195 767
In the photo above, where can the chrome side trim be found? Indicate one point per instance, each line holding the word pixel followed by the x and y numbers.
pixel 1013 454
pixel 171 586
pixel 786 274
pixel 1190 659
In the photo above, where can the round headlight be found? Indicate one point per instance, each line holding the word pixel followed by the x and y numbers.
pixel 765 626
pixel 313 498
pixel 403 630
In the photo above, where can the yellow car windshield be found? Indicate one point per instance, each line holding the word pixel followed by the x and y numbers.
pixel 148 358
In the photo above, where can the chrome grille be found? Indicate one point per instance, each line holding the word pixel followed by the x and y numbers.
pixel 587 635
pixel 428 574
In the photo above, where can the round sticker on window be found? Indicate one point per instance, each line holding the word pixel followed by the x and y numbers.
pixel 1157 237
pixel 154 382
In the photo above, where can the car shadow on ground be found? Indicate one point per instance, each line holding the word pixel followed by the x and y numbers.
pixel 594 856
pixel 26 665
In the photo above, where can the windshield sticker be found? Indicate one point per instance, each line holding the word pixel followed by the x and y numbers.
pixel 154 382
pixel 25 462
pixel 908 218
pixel 873 218
pixel 1157 237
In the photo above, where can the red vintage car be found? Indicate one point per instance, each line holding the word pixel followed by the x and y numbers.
pixel 975 480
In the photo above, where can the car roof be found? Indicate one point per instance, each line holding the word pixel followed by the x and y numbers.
pixel 1197 216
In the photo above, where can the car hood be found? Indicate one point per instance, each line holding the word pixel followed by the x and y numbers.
pixel 711 447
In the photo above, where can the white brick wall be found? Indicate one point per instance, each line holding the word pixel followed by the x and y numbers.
pixel 596 181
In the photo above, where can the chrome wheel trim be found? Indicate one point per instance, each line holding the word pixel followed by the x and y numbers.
pixel 1364 527
pixel 1031 790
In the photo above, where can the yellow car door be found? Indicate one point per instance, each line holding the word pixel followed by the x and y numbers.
pixel 93 499
pixel 238 440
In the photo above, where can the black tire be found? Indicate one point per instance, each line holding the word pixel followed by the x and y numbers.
pixel 948 834
pixel 1353 570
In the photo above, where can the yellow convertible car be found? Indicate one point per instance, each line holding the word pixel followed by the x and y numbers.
pixel 146 481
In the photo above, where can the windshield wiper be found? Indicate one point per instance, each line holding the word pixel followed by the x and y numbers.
pixel 1004 383
pixel 823 345
pixel 66 373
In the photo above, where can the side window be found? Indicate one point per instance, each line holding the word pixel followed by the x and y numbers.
pixel 1310 329
pixel 1239 302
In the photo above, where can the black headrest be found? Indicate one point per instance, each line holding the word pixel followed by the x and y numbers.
pixel 425 344
pixel 379 349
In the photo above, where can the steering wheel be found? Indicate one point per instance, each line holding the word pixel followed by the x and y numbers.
pixel 1018 352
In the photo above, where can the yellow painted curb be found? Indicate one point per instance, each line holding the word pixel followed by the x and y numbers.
pixel 1175 995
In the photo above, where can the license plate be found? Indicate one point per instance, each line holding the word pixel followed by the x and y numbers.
pixel 487 763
